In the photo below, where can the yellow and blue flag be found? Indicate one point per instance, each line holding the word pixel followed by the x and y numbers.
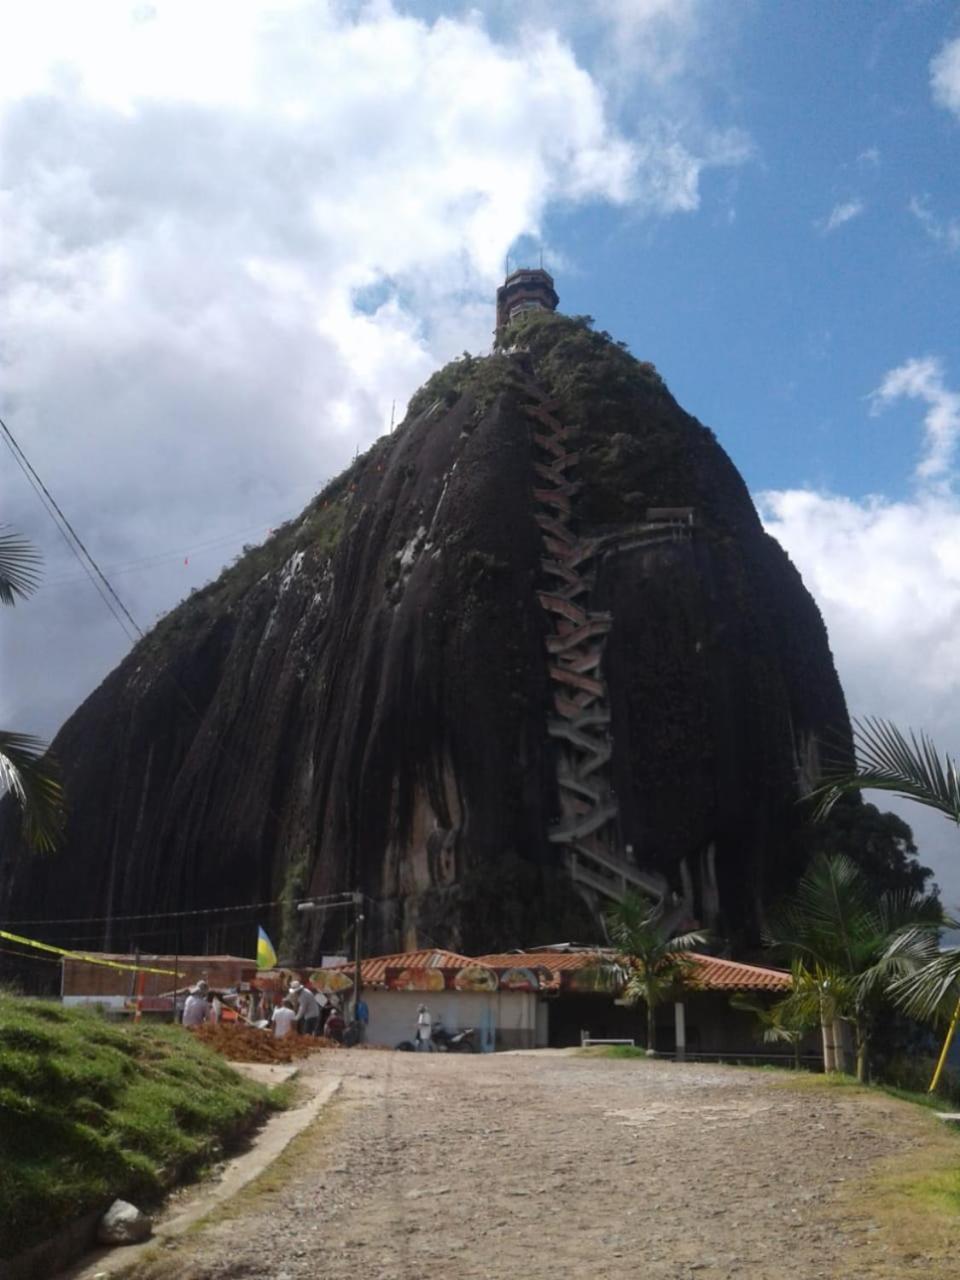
pixel 266 956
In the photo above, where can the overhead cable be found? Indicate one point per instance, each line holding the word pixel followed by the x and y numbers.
pixel 74 541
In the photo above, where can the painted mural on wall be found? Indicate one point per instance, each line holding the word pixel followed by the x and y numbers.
pixel 600 977
pixel 416 979
pixel 475 977
pixel 330 981
pixel 519 980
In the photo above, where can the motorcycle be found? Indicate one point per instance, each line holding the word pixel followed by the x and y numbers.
pixel 456 1041
pixel 445 1041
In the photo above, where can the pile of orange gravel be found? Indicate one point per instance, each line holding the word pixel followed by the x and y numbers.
pixel 240 1043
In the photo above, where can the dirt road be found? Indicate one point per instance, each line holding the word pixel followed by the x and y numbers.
pixel 547 1166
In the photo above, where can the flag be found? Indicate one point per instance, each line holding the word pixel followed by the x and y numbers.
pixel 266 956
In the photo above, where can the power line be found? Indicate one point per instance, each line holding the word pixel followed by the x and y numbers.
pixel 333 899
pixel 113 602
pixel 77 545
pixel 153 915
pixel 25 955
pixel 174 553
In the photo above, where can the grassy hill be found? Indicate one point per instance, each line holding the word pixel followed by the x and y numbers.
pixel 90 1110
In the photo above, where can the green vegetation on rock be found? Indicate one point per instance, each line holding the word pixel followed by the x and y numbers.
pixel 90 1111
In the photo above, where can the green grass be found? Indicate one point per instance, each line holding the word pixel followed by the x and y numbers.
pixel 614 1051
pixel 90 1110
pixel 836 1080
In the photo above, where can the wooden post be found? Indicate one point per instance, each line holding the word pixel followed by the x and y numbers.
pixel 140 979
pixel 829 1048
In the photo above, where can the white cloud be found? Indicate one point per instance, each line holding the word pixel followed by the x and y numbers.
pixel 886 575
pixel 945 76
pixel 843 212
pixel 672 171
pixel 922 379
pixel 944 232
pixel 869 158
pixel 236 232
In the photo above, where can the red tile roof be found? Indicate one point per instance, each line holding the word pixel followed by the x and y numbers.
pixel 708 973
pixel 712 973
pixel 557 961
pixel 373 972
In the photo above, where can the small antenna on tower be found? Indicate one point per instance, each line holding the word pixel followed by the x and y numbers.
pixel 541 257
pixel 393 410
pixel 506 265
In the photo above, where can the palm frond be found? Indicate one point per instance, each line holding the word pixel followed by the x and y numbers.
pixel 908 764
pixel 31 777
pixel 908 950
pixel 830 921
pixel 19 567
pixel 930 989
pixel 682 942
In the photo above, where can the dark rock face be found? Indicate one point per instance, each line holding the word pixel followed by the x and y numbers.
pixel 364 700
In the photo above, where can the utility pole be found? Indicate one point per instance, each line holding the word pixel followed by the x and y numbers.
pixel 357 928
pixel 329 903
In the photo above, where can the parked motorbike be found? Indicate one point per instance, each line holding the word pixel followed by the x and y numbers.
pixel 445 1041
pixel 454 1042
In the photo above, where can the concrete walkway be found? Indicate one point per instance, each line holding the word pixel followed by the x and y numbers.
pixel 549 1166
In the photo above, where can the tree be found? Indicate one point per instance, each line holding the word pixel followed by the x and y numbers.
pixel 881 844
pixel 848 944
pixel 787 1021
pixel 25 770
pixel 653 958
pixel 907 764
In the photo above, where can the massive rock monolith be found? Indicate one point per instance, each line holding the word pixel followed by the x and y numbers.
pixel 532 647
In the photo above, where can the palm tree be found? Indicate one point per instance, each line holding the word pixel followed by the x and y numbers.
pixel 889 760
pixel 848 944
pixel 790 1019
pixel 652 956
pixel 25 770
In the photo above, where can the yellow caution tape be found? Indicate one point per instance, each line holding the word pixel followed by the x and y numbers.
pixel 78 955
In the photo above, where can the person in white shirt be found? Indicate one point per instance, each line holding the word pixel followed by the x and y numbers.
pixel 196 1008
pixel 424 1030
pixel 283 1019
pixel 308 1009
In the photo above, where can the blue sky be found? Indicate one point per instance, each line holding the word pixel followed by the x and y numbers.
pixel 234 234
pixel 767 326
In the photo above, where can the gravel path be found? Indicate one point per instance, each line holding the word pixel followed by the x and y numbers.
pixel 547 1166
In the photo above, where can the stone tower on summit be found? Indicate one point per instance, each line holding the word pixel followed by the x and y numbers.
pixel 528 289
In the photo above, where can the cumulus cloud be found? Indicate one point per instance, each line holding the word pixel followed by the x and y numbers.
pixel 945 231
pixel 923 379
pixel 945 76
pixel 886 575
pixel 235 233
pixel 843 212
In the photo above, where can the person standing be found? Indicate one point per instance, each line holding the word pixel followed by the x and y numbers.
pixel 308 1009
pixel 196 1008
pixel 424 1030
pixel 284 1016
pixel 361 1017
pixel 335 1025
